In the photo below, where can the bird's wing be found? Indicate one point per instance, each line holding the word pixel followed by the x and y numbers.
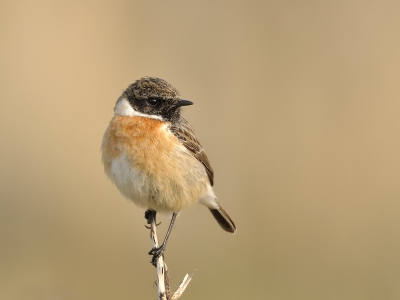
pixel 185 133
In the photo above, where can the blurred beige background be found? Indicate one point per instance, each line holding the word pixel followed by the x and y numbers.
pixel 297 105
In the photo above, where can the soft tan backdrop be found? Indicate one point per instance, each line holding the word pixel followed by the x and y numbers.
pixel 297 105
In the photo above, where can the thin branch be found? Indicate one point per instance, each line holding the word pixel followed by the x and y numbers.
pixel 162 295
pixel 182 287
pixel 163 283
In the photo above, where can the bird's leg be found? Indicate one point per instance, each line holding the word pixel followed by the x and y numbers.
pixel 157 252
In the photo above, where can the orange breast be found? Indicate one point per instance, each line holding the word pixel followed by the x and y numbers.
pixel 164 176
pixel 141 138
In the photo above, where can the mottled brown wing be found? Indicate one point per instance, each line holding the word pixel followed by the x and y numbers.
pixel 185 133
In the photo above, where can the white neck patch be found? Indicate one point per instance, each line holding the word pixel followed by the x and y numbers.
pixel 123 108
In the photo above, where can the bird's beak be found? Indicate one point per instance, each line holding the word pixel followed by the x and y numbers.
pixel 183 103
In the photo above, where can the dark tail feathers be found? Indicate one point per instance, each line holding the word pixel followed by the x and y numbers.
pixel 223 219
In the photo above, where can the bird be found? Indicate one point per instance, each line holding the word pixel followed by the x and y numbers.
pixel 152 155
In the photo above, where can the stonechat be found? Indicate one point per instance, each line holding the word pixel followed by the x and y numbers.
pixel 151 153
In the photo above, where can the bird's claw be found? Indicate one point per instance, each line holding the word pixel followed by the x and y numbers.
pixel 149 227
pixel 156 252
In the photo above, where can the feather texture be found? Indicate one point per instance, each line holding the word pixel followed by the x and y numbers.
pixel 185 133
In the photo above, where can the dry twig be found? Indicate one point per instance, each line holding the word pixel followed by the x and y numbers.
pixel 163 284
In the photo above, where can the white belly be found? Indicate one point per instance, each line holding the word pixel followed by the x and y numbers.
pixel 129 181
pixel 161 193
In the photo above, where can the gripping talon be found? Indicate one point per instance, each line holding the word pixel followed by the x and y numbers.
pixel 149 227
pixel 149 215
pixel 156 252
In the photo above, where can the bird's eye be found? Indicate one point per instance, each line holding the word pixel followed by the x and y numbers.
pixel 152 101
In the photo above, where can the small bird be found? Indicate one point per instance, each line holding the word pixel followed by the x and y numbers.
pixel 151 153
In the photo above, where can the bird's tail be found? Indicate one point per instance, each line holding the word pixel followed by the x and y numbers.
pixel 223 219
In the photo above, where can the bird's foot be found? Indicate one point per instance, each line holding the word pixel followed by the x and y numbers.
pixel 149 215
pixel 157 252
